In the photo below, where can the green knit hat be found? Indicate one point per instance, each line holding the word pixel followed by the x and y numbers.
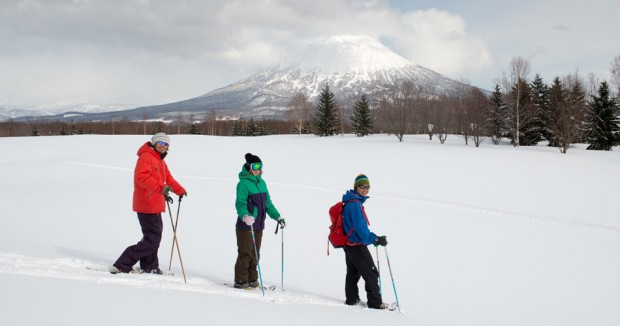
pixel 360 180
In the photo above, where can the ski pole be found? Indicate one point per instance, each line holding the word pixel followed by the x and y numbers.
pixel 260 276
pixel 282 272
pixel 392 277
pixel 174 230
pixel 379 271
pixel 168 200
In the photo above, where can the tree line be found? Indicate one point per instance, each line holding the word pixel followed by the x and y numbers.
pixel 568 110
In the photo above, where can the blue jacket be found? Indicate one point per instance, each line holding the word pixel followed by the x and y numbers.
pixel 353 217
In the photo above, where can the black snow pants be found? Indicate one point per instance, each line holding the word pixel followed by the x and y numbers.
pixel 360 264
pixel 144 251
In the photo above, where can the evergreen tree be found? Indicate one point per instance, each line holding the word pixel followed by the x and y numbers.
pixel 496 121
pixel 361 118
pixel 326 116
pixel 604 130
pixel 237 128
pixel 540 94
pixel 255 129
pixel 193 130
pixel 565 113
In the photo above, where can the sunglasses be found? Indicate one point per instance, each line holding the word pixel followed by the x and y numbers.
pixel 367 187
pixel 162 143
pixel 256 166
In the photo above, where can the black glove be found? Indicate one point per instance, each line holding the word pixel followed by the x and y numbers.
pixel 381 241
pixel 182 195
pixel 165 191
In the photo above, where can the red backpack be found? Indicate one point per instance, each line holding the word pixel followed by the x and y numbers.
pixel 336 236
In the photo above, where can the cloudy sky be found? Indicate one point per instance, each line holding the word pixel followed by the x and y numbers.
pixel 143 52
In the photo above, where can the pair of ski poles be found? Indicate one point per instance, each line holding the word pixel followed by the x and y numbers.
pixel 391 276
pixel 174 231
pixel 260 275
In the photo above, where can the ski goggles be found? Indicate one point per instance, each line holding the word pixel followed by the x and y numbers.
pixel 162 143
pixel 367 187
pixel 256 166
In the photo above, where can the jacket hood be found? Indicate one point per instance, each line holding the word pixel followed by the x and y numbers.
pixel 352 194
pixel 245 174
pixel 148 148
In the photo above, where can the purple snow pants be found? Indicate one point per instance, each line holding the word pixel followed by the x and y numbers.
pixel 144 251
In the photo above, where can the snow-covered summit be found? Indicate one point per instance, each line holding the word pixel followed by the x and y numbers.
pixel 342 54
pixel 351 65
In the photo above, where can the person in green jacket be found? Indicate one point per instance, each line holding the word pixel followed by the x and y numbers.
pixel 253 204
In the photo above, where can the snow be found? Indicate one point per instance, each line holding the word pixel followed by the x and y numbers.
pixel 340 54
pixel 494 235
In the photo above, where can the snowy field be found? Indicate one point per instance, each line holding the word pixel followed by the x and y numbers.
pixel 484 236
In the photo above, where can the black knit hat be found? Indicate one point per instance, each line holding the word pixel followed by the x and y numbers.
pixel 249 158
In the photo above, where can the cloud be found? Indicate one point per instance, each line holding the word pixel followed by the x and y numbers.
pixel 155 51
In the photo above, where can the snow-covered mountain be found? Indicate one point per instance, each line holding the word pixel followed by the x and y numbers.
pixel 7 113
pixel 60 108
pixel 352 65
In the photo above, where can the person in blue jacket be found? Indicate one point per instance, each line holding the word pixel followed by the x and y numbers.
pixel 359 261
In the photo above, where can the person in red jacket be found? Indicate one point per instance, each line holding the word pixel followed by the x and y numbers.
pixel 152 184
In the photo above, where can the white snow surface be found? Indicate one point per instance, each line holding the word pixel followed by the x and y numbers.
pixel 494 235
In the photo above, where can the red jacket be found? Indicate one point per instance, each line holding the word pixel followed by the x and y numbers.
pixel 150 176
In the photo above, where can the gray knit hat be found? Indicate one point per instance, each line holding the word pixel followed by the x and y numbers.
pixel 160 136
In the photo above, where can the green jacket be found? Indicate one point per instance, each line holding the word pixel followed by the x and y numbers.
pixel 253 199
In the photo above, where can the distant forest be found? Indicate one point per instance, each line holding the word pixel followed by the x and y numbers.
pixel 569 109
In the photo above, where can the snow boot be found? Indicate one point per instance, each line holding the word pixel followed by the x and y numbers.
pixel 115 270
pixel 382 305
pixel 352 302
pixel 241 285
pixel 254 284
pixel 157 271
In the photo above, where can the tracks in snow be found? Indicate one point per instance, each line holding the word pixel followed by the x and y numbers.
pixel 413 200
pixel 83 270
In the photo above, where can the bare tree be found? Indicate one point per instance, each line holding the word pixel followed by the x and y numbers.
pixel 298 111
pixel 615 72
pixel 397 109
pixel 179 122
pixel 477 107
pixel 443 118
pixel 145 118
pixel 516 85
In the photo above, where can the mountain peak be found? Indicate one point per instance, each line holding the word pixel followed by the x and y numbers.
pixel 342 54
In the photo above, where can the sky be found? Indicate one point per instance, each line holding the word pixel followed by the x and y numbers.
pixel 487 236
pixel 147 52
